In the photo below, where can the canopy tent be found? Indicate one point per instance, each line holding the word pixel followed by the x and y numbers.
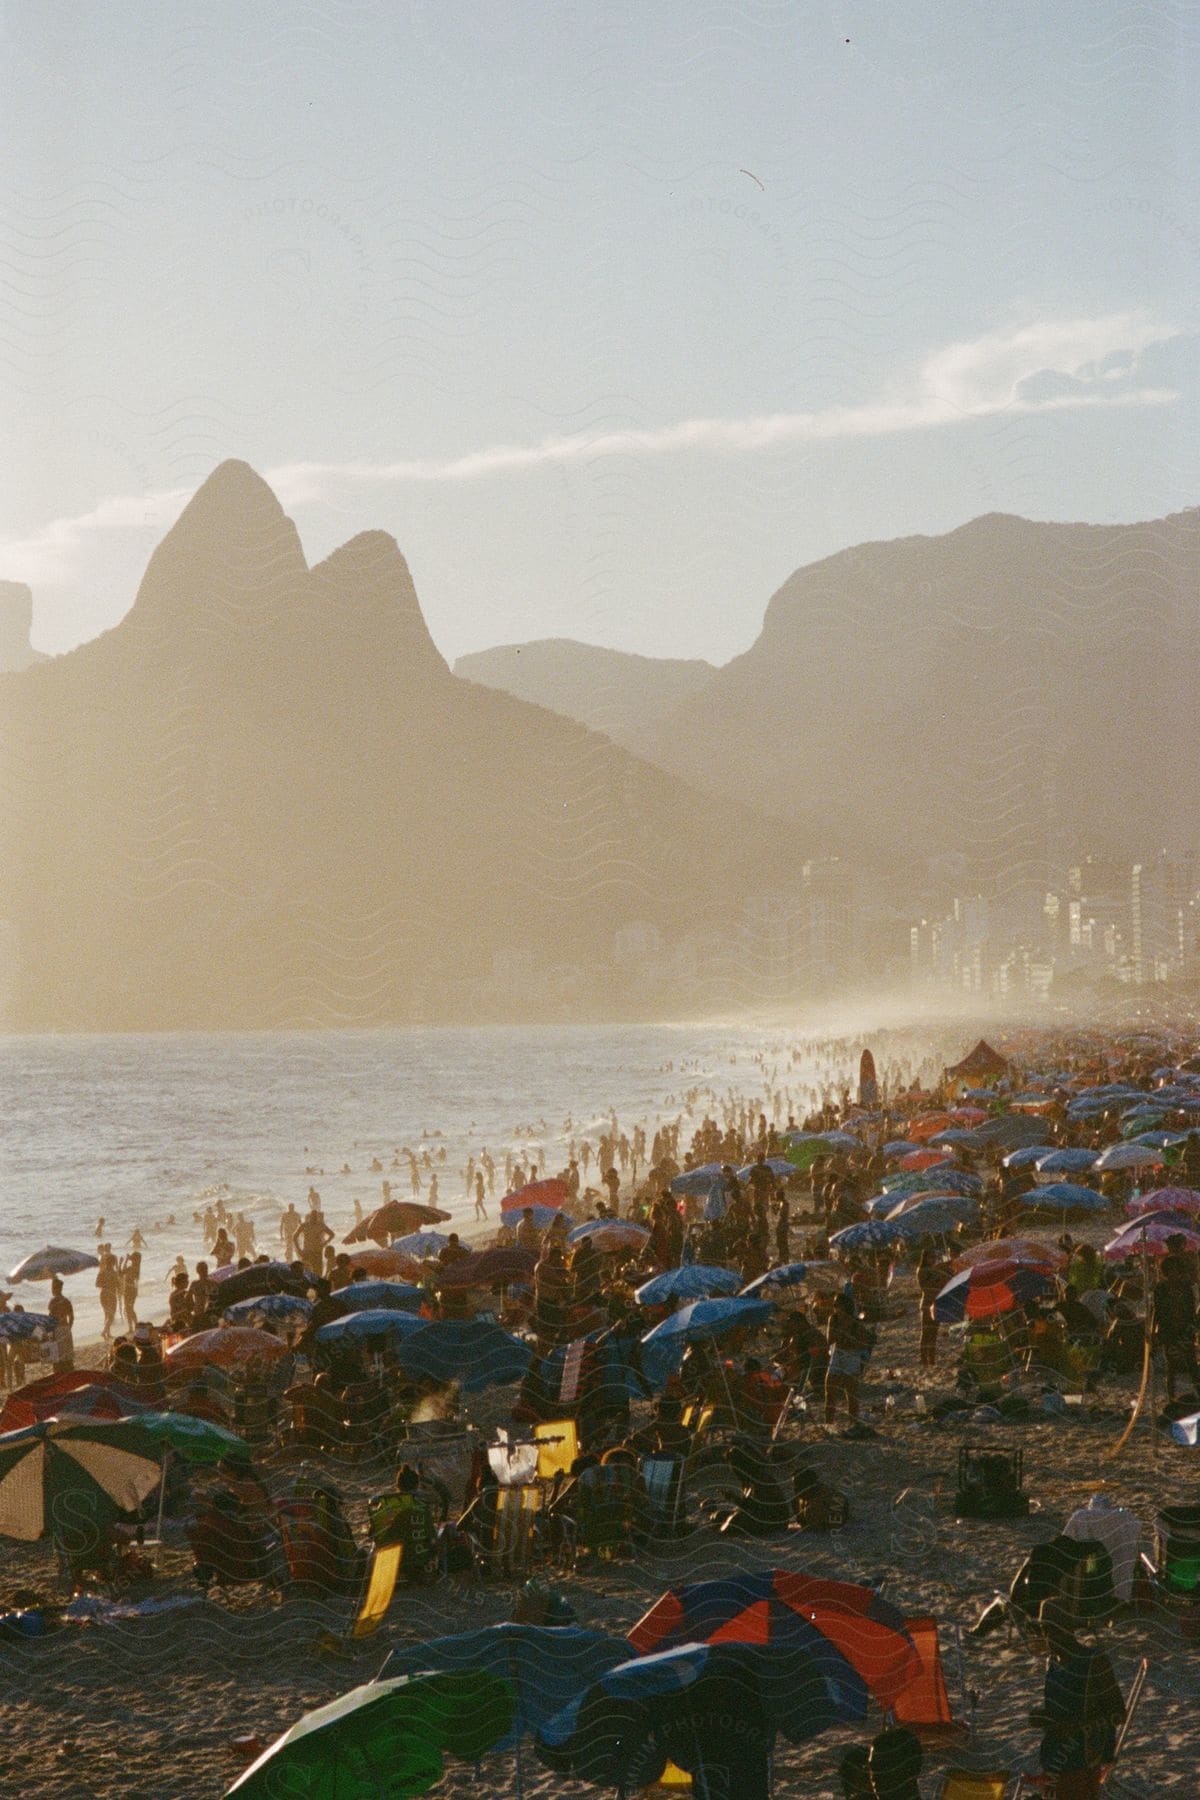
pixel 982 1064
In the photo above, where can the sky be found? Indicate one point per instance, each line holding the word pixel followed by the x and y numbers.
pixel 613 314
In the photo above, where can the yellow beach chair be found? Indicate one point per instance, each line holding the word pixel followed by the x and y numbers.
pixel 381 1586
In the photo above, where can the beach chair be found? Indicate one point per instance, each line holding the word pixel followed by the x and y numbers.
pixel 975 1784
pixel 557 1443
pixel 514 1527
pixel 1046 1785
pixel 381 1586
pixel 663 1480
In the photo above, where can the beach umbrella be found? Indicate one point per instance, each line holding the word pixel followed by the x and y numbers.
pixel 969 1115
pixel 1011 1130
pixel 387 1738
pixel 858 1639
pixel 1151 1237
pixel 369 1326
pixel 387 1265
pixel 51 1261
pixel 55 1394
pixel 944 1179
pixel 702 1705
pixel 611 1235
pixel 989 1288
pixel 232 1285
pixel 552 1193
pixel 1031 1251
pixel 546 1664
pixel 26 1327
pixel 802 1156
pixel 936 1216
pixel 787 1275
pixel 695 1281
pixel 1174 1199
pixel 958 1136
pixel 1127 1156
pixel 196 1440
pixel 699 1181
pixel 1187 1431
pixel 924 1159
pixel 866 1234
pixel 421 1244
pixel 1063 1196
pixel 226 1347
pixel 780 1167
pixel 1066 1162
pixel 395 1296
pixel 1027 1156
pixel 1161 1140
pixel 1160 1215
pixel 473 1352
pixel 928 1124
pixel 543 1216
pixel 279 1309
pixel 73 1471
pixel 709 1319
pixel 392 1220
pixel 498 1267
pixel 900 1147
pixel 88 1401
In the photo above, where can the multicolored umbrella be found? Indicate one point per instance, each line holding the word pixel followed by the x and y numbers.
pixel 682 1704
pixel 386 1738
pixel 44 1264
pixel 1174 1199
pixel 552 1193
pixel 74 1472
pixel 859 1640
pixel 1150 1235
pixel 990 1288
pixel 694 1281
pixel 1030 1251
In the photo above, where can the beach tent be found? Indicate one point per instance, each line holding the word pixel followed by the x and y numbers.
pixel 982 1064
pixel 924 1704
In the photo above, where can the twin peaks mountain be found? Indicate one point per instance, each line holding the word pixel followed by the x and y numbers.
pixel 1012 692
pixel 263 799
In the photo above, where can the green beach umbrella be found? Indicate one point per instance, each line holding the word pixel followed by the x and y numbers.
pixel 384 1741
pixel 197 1440
pixel 803 1155
pixel 65 1471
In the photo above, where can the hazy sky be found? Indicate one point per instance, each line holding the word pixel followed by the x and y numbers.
pixel 612 314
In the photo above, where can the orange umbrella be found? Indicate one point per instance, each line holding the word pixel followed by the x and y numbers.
pixel 925 1159
pixel 226 1347
pixel 929 1124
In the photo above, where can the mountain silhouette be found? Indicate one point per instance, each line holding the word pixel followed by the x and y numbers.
pixel 263 799
pixel 1012 691
pixel 609 690
pixel 16 623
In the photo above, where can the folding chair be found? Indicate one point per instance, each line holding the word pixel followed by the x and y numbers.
pixel 663 1478
pixel 381 1586
pixel 516 1519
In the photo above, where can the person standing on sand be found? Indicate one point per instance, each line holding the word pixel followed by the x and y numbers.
pixel 63 1314
pixel 847 1345
pixel 108 1283
pixel 481 1211
pixel 131 1276
pixel 289 1225
pixel 932 1276
pixel 313 1236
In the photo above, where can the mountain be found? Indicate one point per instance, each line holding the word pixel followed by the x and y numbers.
pixel 609 690
pixel 263 799
pixel 1010 691
pixel 16 623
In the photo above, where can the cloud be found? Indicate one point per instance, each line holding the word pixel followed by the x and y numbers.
pixel 1044 367
pixel 1092 361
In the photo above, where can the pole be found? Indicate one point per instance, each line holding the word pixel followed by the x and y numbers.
pixel 162 1496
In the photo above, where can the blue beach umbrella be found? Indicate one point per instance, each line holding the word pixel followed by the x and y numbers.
pixel 279 1309
pixel 695 1281
pixel 935 1217
pixel 778 1165
pixel 866 1234
pixel 44 1264
pixel 709 1318
pixel 787 1275
pixel 1063 1196
pixel 372 1296
pixel 366 1327
pixel 698 1181
pixel 422 1244
pixel 473 1352
pixel 1066 1162
pixel 25 1327
pixel 1028 1156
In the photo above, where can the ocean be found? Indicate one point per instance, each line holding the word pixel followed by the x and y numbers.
pixel 140 1130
